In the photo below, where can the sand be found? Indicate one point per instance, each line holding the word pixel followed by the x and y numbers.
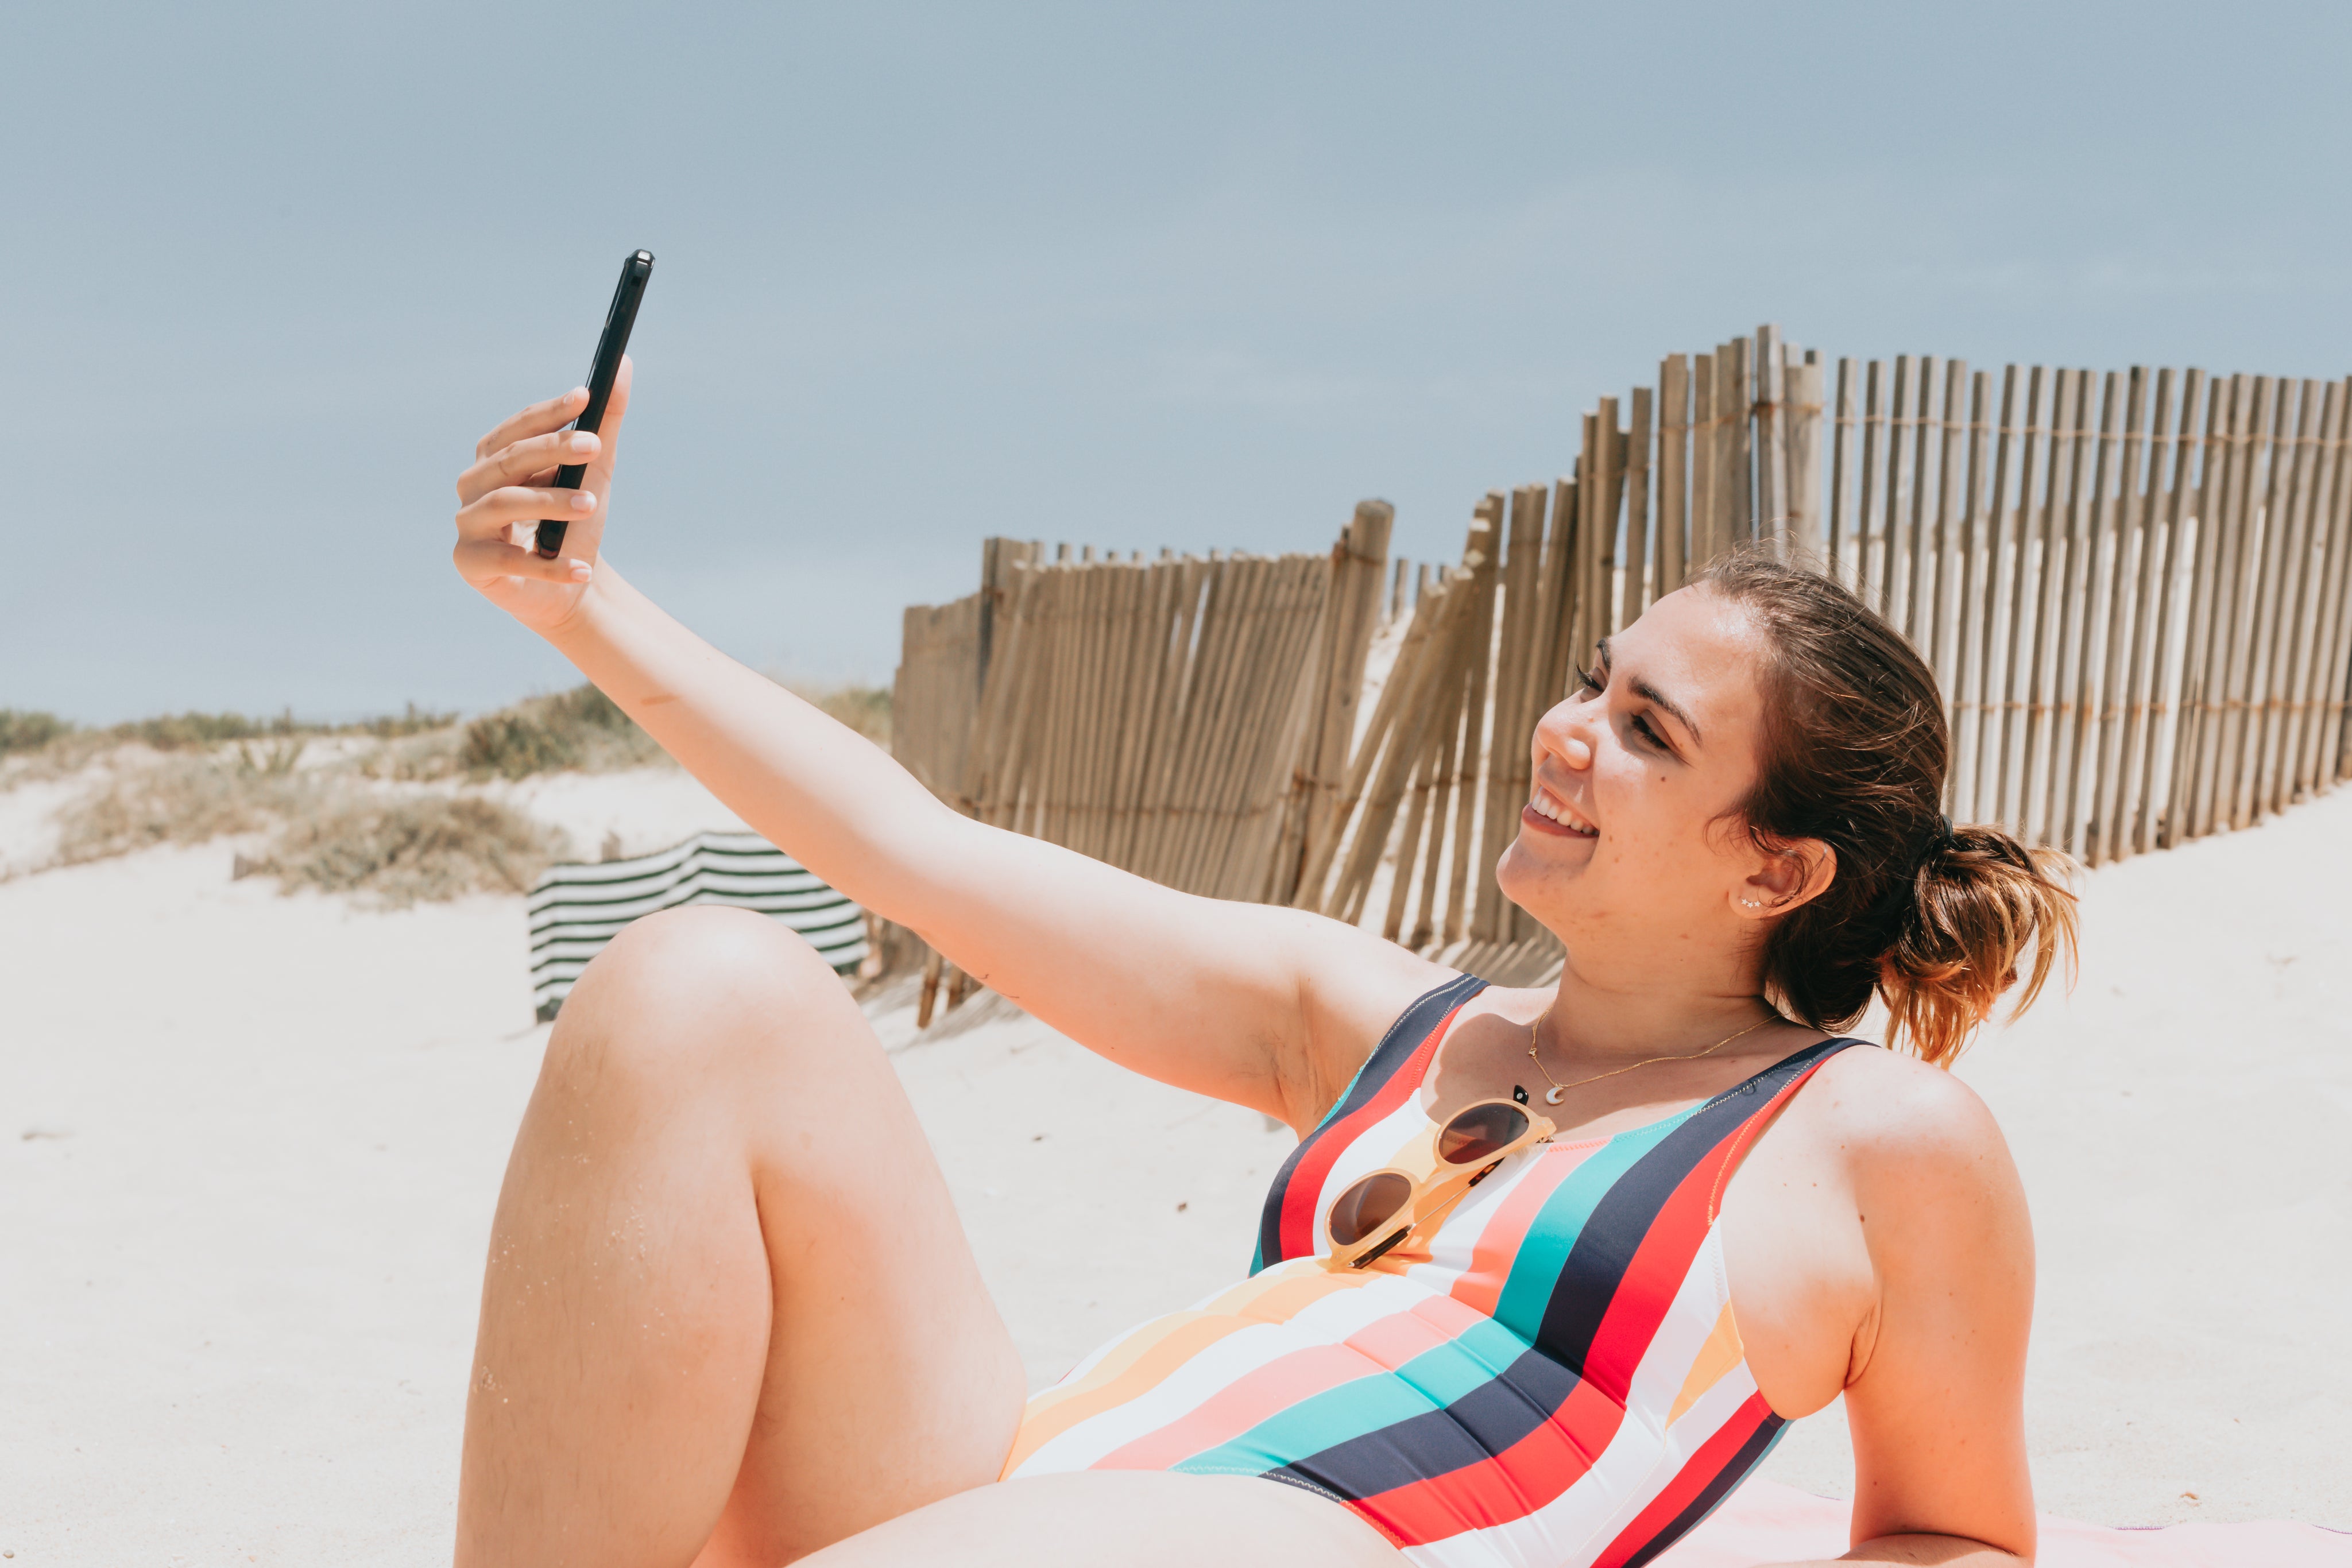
pixel 249 1145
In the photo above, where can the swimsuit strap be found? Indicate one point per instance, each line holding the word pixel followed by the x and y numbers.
pixel 1637 1241
pixel 1393 1070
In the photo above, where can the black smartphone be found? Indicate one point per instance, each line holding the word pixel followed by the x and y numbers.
pixel 601 373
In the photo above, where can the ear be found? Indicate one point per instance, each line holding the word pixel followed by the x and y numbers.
pixel 1793 874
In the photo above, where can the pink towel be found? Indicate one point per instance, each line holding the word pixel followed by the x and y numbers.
pixel 1762 1523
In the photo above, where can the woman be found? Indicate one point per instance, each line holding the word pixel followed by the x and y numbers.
pixel 729 1316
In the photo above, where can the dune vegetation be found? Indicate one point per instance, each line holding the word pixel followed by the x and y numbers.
pixel 396 809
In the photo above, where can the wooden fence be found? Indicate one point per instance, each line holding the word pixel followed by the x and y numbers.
pixel 1182 718
pixel 2135 589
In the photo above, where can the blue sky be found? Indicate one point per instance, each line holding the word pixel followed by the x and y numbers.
pixel 1135 275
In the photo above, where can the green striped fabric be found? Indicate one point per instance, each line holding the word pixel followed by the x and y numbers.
pixel 577 908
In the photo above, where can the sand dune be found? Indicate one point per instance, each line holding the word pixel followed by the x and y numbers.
pixel 249 1145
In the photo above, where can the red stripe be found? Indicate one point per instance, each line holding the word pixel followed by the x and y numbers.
pixel 1698 1473
pixel 1647 1287
pixel 1660 1265
pixel 1300 1199
pixel 1523 1477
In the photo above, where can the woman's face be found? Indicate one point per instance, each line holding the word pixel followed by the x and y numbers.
pixel 1626 835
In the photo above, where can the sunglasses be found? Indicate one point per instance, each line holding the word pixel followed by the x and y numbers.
pixel 1381 1209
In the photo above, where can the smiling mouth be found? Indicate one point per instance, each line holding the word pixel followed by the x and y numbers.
pixel 1547 812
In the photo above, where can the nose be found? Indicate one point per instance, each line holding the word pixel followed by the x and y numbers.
pixel 1560 732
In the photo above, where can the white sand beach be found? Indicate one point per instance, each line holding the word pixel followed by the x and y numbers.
pixel 249 1145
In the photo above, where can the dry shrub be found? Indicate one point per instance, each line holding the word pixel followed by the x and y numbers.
pixel 328 833
pixel 432 753
pixel 21 730
pixel 181 799
pixel 399 850
pixel 580 729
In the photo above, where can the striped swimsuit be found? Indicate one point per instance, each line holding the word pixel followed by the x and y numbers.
pixel 1548 1379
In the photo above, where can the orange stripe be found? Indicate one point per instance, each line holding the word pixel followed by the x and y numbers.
pixel 1164 1344
pixel 1261 1394
pixel 1381 1346
pixel 1715 1358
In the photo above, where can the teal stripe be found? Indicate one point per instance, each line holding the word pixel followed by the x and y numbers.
pixel 1430 1381
pixel 1543 1252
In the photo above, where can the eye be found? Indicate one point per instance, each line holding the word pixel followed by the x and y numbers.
pixel 1642 726
pixel 1586 681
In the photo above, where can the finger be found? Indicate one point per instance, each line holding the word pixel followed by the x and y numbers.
pixel 585 538
pixel 479 560
pixel 522 461
pixel 536 419
pixel 608 432
pixel 497 511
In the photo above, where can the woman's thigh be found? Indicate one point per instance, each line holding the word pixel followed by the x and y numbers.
pixel 1122 1518
pixel 891 1380
pixel 727 1286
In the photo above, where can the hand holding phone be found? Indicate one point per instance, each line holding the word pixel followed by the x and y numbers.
pixel 634 272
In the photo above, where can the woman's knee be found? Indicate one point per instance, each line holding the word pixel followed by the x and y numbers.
pixel 699 989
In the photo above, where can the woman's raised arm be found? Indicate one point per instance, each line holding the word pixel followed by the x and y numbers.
pixel 1267 1007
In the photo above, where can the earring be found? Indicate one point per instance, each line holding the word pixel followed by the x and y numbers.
pixel 1752 903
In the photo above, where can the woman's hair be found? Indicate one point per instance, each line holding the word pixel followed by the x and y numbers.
pixel 1934 917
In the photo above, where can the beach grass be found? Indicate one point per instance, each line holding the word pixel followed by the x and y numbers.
pixel 396 809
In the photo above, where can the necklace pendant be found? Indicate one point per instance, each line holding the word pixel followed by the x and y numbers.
pixel 1554 1095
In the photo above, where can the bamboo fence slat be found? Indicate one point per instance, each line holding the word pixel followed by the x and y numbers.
pixel 1522 567
pixel 1970 588
pixel 2248 449
pixel 1710 465
pixel 1804 394
pixel 1873 438
pixel 2327 705
pixel 1771 440
pixel 2021 692
pixel 1842 440
pixel 2277 438
pixel 1736 397
pixel 1917 549
pixel 2163 707
pixel 1477 636
pixel 2087 607
pixel 1994 537
pixel 2135 547
pixel 2326 474
pixel 1637 553
pixel 2282 626
pixel 2199 671
pixel 1674 472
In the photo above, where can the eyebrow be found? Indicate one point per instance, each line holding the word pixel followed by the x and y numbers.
pixel 1651 693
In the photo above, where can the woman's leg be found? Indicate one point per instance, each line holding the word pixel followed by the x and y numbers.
pixel 729 1309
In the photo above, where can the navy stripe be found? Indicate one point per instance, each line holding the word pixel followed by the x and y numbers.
pixel 1751 1454
pixel 1396 1048
pixel 1481 1425
pixel 1622 1221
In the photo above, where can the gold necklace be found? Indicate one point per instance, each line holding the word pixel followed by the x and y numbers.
pixel 1558 1090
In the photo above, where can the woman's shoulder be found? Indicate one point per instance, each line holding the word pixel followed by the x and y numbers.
pixel 1895 1115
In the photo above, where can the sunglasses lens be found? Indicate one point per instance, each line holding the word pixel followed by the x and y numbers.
pixel 1479 1134
pixel 1367 1206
